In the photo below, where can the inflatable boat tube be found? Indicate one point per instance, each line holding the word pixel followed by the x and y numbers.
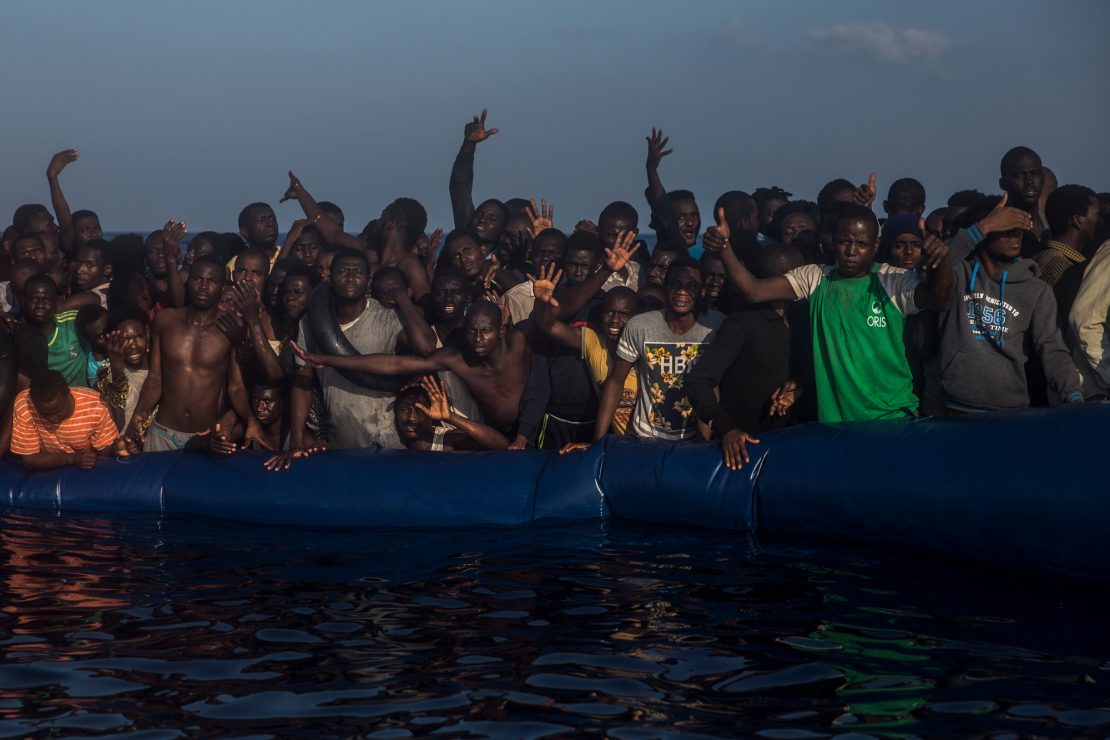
pixel 325 328
pixel 1025 491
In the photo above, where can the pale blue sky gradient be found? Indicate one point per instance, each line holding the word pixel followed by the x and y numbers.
pixel 193 109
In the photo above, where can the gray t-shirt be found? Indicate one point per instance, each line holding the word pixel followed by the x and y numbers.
pixel 663 359
pixel 358 416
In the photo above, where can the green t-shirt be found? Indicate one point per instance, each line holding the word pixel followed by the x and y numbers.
pixel 859 356
pixel 64 352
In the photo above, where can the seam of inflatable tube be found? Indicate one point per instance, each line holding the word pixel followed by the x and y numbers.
pixel 757 474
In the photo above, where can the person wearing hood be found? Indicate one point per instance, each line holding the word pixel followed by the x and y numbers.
pixel 999 305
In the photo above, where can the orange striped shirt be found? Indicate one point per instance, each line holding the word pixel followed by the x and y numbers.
pixel 89 424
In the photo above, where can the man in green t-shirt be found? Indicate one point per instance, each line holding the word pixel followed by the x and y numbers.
pixel 64 352
pixel 857 314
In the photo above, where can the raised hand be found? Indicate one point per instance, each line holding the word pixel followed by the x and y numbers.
pixel 172 234
pixel 425 247
pixel 716 237
pixel 734 448
pixel 231 325
pixel 59 161
pixel 310 359
pixel 934 251
pixel 622 251
pixel 1005 218
pixel 439 407
pixel 541 218
pixel 544 285
pixel 657 148
pixel 865 194
pixel 476 131
pixel 118 346
pixel 294 191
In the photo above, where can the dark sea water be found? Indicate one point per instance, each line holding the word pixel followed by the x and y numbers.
pixel 199 628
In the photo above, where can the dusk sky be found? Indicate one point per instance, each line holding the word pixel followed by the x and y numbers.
pixel 193 109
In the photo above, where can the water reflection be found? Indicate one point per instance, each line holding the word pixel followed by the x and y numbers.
pixel 201 627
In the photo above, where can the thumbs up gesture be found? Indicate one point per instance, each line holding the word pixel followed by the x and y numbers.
pixel 716 238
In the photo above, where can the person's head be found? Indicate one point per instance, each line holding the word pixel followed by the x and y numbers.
pixel 407 216
pixel 1050 185
pixel 33 217
pixel 350 276
pixel 686 214
pixel 488 221
pixel 906 195
pixel 385 283
pixel 466 253
pixel 483 328
pixel 251 268
pixel 1072 213
pixel 1022 177
pixel 267 403
pixel 307 246
pixel 332 211
pixel 450 294
pixel 91 324
pixel 662 257
pixel 768 200
pixel 55 257
pixel 40 303
pixel 258 226
pixel 90 266
pixel 49 394
pixel 795 223
pixel 271 289
pixel 548 248
pixel 934 222
pixel 901 242
pixel 615 218
pixel 133 326
pixel 412 424
pixel 958 203
pixel 581 257
pixel 512 247
pixel 834 191
pixel 130 288
pixel 86 227
pixel 777 259
pixel 125 252
pixel 999 246
pixel 714 277
pixel 21 272
pixel 855 240
pixel 207 276
pixel 204 244
pixel 154 259
pixel 1103 218
pixel 300 280
pixel 650 298
pixel 741 211
pixel 683 284
pixel 617 307
pixel 28 246
pixel 323 261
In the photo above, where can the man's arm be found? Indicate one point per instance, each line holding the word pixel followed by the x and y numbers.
pixel 1059 368
pixel 380 364
pixel 415 331
pixel 328 227
pixel 61 207
pixel 935 292
pixel 48 460
pixel 611 391
pixel 752 289
pixel 172 234
pixel 1001 218
pixel 615 260
pixel 439 409
pixel 251 310
pixel 702 382
pixel 543 310
pixel 461 185
pixel 657 149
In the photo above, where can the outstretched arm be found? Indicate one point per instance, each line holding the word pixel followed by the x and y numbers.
pixel 753 289
pixel 936 290
pixel 543 310
pixel 439 409
pixel 462 171
pixel 615 260
pixel 61 207
pixel 657 149
pixel 172 233
pixel 328 227
pixel 380 364
pixel 611 391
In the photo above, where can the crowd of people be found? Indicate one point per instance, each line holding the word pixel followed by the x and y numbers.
pixel 511 333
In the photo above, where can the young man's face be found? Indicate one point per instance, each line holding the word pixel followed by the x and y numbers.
pixel 383 288
pixel 578 264
pixel 267 405
pixel 449 298
pixel 55 410
pixel 610 227
pixel 43 221
pixel 155 259
pixel 96 334
pixel 483 332
pixel 487 223
pixel 714 276
pixel 41 303
pixel 90 268
pixel 546 250
pixel 294 295
pixel 261 227
pixel 657 269
pixel 250 270
pixel 1003 246
pixel 1023 181
pixel 206 282
pixel 468 255
pixel 905 251
pixel 615 313
pixel 306 248
pixel 26 247
pixel 683 289
pixel 855 242
pixel 412 423
pixel 86 229
pixel 349 279
pixel 797 227
pixel 689 220
pixel 137 338
pixel 323 265
pixel 271 294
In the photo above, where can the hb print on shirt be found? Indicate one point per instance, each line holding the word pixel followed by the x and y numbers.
pixel 668 363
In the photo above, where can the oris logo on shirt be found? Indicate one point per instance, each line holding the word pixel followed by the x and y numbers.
pixel 876 319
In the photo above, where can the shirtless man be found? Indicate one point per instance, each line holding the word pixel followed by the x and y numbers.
pixel 193 371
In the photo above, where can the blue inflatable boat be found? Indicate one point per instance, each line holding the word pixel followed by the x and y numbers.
pixel 1026 491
